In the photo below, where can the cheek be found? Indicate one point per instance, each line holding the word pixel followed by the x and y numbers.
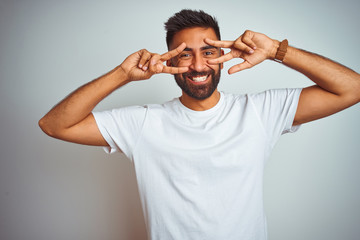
pixel 183 63
pixel 216 67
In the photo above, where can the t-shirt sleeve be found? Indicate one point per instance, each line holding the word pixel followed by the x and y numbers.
pixel 121 128
pixel 276 110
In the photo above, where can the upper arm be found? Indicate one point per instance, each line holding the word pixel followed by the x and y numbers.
pixel 315 103
pixel 85 132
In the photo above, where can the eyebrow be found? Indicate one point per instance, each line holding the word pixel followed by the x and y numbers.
pixel 202 48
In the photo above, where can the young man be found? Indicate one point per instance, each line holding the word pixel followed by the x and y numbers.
pixel 199 159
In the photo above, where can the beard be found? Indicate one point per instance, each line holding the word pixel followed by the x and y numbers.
pixel 198 92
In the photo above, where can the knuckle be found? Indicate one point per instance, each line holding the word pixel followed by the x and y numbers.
pixel 177 50
pixel 144 51
pixel 238 45
pixel 165 55
pixel 159 68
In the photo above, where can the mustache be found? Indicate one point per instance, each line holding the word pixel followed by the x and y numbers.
pixel 196 74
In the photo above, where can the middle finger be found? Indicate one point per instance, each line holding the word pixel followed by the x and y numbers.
pixel 222 59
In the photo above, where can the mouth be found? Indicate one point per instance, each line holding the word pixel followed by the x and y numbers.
pixel 198 79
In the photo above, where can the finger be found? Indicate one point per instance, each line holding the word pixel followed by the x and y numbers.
pixel 158 67
pixel 144 58
pixel 146 66
pixel 154 63
pixel 239 67
pixel 247 39
pixel 173 53
pixel 243 47
pixel 221 44
pixel 249 42
pixel 222 59
pixel 174 70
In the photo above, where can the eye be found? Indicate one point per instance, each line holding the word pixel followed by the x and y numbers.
pixel 185 55
pixel 210 54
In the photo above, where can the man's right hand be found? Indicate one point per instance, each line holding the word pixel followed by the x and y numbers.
pixel 71 119
pixel 143 64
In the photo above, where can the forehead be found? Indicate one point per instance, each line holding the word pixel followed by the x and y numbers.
pixel 193 37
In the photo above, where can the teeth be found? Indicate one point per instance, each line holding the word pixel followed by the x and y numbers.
pixel 199 79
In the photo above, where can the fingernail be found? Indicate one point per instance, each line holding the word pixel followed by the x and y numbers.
pixel 251 51
pixel 140 66
pixel 145 68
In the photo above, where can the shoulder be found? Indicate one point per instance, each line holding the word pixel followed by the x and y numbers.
pixel 128 110
pixel 136 110
pixel 276 92
pixel 124 115
pixel 275 95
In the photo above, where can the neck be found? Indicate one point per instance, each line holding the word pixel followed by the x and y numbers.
pixel 200 105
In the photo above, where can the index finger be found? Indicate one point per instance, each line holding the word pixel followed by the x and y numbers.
pixel 174 70
pixel 173 53
pixel 221 44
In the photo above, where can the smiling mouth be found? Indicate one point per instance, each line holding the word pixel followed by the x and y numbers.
pixel 198 78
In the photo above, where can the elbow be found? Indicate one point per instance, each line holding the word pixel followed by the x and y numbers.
pixel 357 90
pixel 355 93
pixel 45 127
pixel 352 94
pixel 51 127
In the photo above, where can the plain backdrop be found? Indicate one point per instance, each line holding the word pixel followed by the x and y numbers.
pixel 55 190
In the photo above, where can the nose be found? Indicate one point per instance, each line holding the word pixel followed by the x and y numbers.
pixel 198 63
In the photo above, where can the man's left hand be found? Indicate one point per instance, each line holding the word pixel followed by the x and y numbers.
pixel 252 47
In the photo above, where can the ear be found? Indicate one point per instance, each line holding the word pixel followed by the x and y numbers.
pixel 221 54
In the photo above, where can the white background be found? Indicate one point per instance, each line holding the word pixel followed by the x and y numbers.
pixel 55 190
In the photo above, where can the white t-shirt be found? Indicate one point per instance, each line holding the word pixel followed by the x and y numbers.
pixel 200 173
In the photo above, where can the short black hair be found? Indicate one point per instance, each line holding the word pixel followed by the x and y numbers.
pixel 187 18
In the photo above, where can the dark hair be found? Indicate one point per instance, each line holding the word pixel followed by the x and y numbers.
pixel 187 18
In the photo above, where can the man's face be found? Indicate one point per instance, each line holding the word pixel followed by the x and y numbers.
pixel 202 78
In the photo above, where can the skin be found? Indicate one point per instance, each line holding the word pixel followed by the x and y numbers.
pixel 196 57
pixel 336 87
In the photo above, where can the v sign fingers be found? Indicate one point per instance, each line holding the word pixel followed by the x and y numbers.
pixel 157 66
pixel 173 53
pixel 143 64
pixel 169 55
pixel 251 46
pixel 238 50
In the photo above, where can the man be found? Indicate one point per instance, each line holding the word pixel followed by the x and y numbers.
pixel 199 159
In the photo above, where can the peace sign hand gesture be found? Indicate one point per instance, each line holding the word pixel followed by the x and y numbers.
pixel 252 47
pixel 143 64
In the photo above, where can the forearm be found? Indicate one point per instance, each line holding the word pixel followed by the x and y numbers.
pixel 327 74
pixel 79 104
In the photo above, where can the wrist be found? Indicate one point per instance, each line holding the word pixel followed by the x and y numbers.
pixel 273 50
pixel 281 51
pixel 121 76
